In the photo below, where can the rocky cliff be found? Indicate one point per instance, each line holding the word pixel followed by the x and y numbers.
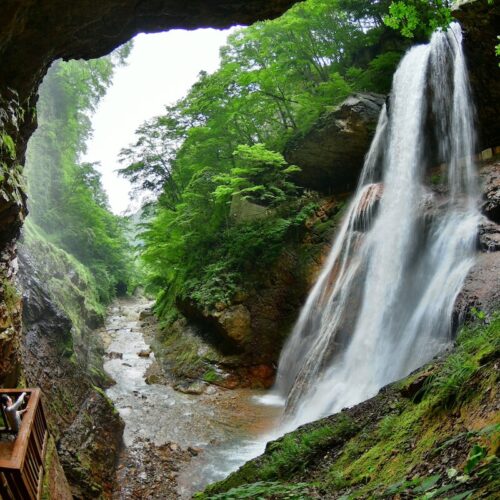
pixel 238 343
pixel 84 425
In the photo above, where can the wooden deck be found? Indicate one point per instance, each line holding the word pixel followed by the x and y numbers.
pixel 22 455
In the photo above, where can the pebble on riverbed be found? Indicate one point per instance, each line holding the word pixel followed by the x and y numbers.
pixel 195 388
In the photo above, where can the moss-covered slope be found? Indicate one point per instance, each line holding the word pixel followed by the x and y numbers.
pixel 58 355
pixel 434 434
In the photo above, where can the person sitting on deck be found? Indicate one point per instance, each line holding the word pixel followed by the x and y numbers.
pixel 11 410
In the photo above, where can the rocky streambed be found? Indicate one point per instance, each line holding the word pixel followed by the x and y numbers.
pixel 174 443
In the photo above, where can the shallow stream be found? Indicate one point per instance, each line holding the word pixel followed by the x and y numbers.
pixel 226 427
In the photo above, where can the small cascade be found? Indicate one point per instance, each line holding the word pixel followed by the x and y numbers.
pixel 383 303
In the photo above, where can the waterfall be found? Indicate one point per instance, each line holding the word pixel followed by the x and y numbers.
pixel 383 303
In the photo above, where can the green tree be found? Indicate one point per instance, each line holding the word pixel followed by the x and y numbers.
pixel 66 198
pixel 225 138
pixel 419 17
pixel 259 175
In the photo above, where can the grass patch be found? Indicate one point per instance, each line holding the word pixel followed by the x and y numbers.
pixel 262 490
pixel 294 452
pixel 476 343
pixel 397 451
pixel 211 376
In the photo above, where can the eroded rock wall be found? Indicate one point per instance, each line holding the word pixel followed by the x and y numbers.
pixel 86 428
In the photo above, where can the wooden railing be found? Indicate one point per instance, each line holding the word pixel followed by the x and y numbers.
pixel 22 456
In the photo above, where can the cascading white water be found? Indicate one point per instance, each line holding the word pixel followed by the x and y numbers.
pixel 383 303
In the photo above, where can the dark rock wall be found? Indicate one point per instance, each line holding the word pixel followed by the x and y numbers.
pixel 481 22
pixel 86 428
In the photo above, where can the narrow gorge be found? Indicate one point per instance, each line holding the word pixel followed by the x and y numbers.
pixel 298 298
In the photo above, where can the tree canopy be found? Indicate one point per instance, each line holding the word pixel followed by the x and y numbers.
pixel 66 198
pixel 226 137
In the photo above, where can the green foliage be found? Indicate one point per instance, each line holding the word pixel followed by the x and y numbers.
pixel 7 143
pixel 475 342
pixel 259 175
pixel 377 77
pixel 211 376
pixel 66 198
pixel 475 456
pixel 224 142
pixel 263 490
pixel 418 17
pixel 294 452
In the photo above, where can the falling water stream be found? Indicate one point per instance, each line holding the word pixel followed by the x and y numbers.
pixel 383 303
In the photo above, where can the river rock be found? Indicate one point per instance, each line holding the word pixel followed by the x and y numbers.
pixel 145 353
pixel 145 313
pixel 331 153
pixel 196 388
pixel 114 355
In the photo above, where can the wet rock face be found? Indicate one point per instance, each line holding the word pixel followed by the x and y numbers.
pixel 83 422
pixel 490 176
pixel 332 152
pixel 482 286
pixel 481 23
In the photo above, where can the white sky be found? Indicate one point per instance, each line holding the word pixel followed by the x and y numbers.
pixel 160 70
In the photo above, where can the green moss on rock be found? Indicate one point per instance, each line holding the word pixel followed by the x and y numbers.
pixel 442 444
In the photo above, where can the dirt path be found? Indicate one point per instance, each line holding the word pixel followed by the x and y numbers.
pixel 175 443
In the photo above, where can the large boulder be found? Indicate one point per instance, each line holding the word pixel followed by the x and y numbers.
pixel 332 152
